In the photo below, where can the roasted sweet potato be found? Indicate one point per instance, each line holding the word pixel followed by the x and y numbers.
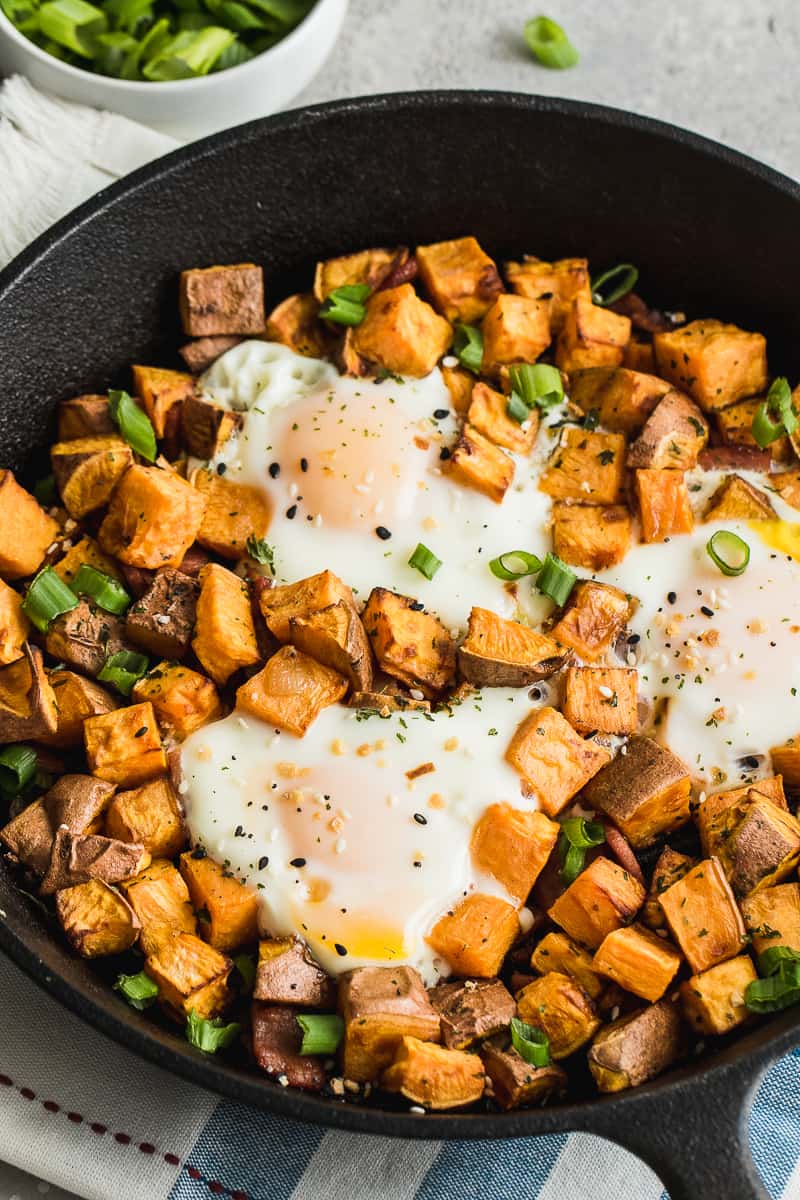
pixel 639 354
pixel 645 791
pixel 182 700
pixel 713 1001
pixel 623 399
pixel 786 761
pixel 740 458
pixel 557 282
pixel 475 935
pixel 557 952
pixel 553 760
pixel 162 620
pixel 160 899
pixel 28 706
pixel 221 300
pixel 87 470
pixel 591 536
pixel 291 691
pixel 277 1039
pixel 487 413
pixel 409 645
pixel 471 1010
pixel 227 908
pixel 586 467
pixel 772 917
pixel 280 604
pixel 759 846
pixel 206 426
pixel 601 699
pixel 513 847
pixel 516 1082
pixel 664 507
pixel 84 416
pixel 592 619
pixel 735 425
pixel 287 974
pixel 703 916
pixel 295 323
pixel 479 464
pixel 715 363
pixel 371 267
pixel 161 392
pixel 637 1047
pixel 670 867
pixel 672 437
pixel 124 746
pixel 434 1076
pixel 515 330
pixel 76 802
pixel 85 637
pixel 203 352
pixel 401 333
pixel 77 698
pixel 558 1005
pixel 720 811
pixel 150 814
pixel 85 550
pixel 460 384
pixel 737 500
pixel 787 485
pixel 152 519
pixel 500 653
pixel 638 960
pixel 26 531
pixel 386 702
pixel 78 857
pixel 380 1006
pixel 335 636
pixel 225 637
pixel 460 278
pixel 14 625
pixel 96 919
pixel 591 336
pixel 603 898
pixel 190 975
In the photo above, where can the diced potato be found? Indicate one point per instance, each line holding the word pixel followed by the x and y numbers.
pixel 760 845
pixel 28 706
pixel 84 416
pixel 335 636
pixel 277 1040
pixel 645 792
pixel 737 500
pixel 86 550
pixel 291 691
pixel 280 605
pixel 409 645
pixel 623 399
pixel 591 536
pixel 387 702
pixel 371 267
pixel 772 917
pixel 557 282
pixel 557 952
pixel 501 653
pixel 594 615
pixel 735 424
pixel 206 426
pixel 161 391
pixel 715 363
pixel 160 899
pixel 479 464
pixel 26 531
pixel 124 746
pixel 515 330
pixel 591 336
pixel 586 467
pixel 487 413
pixel 401 333
pixel 233 513
pixel 702 913
pixel 639 354
pixel 672 437
pixel 85 637
pixel 202 353
pixel 225 636
pixel 670 867
pixel 637 1047
pixel 603 898
pixel 719 811
pixel 77 698
pixel 460 278
pixel 162 620
pixel 472 1009
pixel 602 699
pixel 190 975
pixel 786 761
pixel 150 814
pixel 460 384
pixel 664 507
pixel 14 625
pixel 222 299
pixel 287 974
pixel 295 323
pixel 558 1005
pixel 713 1001
pixel 787 485
pixel 516 1082
pixel 638 960
pixel 554 761
pixel 433 1076
pixel 474 936
pixel 380 1006
pixel 182 699
pixel 513 847
pixel 76 802
pixel 227 909
pixel 80 857
pixel 96 919
pixel 87 470
pixel 152 519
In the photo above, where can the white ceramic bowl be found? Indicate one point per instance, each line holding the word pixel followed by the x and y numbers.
pixel 189 108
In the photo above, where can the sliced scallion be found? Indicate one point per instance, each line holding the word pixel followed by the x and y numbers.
pixel 728 552
pixel 47 598
pixel 556 579
pixel 576 837
pixel 133 423
pixel 139 990
pixel 73 24
pixel 549 43
pixel 771 959
pixel 536 384
pixel 468 347
pixel 425 561
pixel 614 283
pixel 346 305
pixel 123 669
pixel 530 1043
pixel 779 990
pixel 17 768
pixel 210 1034
pixel 261 551
pixel 517 409
pixel 106 592
pixel 778 405
pixel 322 1032
pixel 45 490
pixel 515 564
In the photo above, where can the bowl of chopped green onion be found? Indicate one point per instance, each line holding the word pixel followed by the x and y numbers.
pixel 186 67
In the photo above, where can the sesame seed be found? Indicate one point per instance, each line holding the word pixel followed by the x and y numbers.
pixel 274 470
pixel 441 413
pixel 383 533
pixel 263 862
pixel 291 512
pixel 340 949
pixel 297 862
pixel 303 464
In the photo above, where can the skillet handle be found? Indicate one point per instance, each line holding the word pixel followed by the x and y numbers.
pixel 696 1138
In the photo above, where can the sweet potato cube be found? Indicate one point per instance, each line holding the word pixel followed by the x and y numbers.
pixel 96 919
pixel 160 899
pixel 162 620
pixel 124 746
pixel 735 425
pixel 295 323
pixel 86 550
pixel 472 1009
pixel 460 278
pixel 182 699
pixel 639 354
pixel 227 908
pixel 409 645
pixel 645 791
pixel 664 507
pixel 557 282
pixel 670 866
pixel 152 519
pixel 206 426
pixel 280 604
pixel 594 615
pixel 638 960
pixel 586 467
pixel 380 1006
pixel 479 464
pixel 291 691
pixel 702 913
pixel 474 936
pixel 553 760
pixel 203 352
pixel 76 802
pixel 160 391
pixel 433 1076
pixel 14 625
pixel 28 706
pixel 591 536
pixel 715 363
pixel 233 513
pixel 603 898
pixel 217 300
pixel 84 416
pixel 26 530
pixel 637 1047
pixel 150 814
pixel 487 413
pixel 77 698
pixel 623 399
pixel 460 384
pixel 287 974
pixel 516 1082
pixel 401 333
pixel 557 952
pixel 759 846
pixel 787 485
pixel 515 330
pixel 277 1039
pixel 713 1001
pixel 225 636
pixel 786 761
pixel 79 857
pixel 737 500
pixel 85 637
pixel 513 847
pixel 558 1005
pixel 87 470
pixel 371 267
pixel 335 636
pixel 591 336
pixel 602 699
pixel 772 917
pixel 500 653
pixel 672 437
pixel 190 975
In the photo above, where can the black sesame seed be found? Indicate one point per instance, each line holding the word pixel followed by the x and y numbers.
pixel 672 597
pixel 297 862
pixel 706 611
pixel 291 512
pixel 263 863
pixel 417 606
pixel 303 464
pixel 441 413
pixel 199 852
pixel 274 470
pixel 221 468
pixel 383 533
pixel 238 831
pixel 141 732
pixel 445 453
pixel 340 949
pixel 750 761
pixel 417 862
pixel 634 639
pixel 420 819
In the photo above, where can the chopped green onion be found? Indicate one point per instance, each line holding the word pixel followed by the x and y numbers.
pixel 139 990
pixel 123 669
pixel 45 490
pixel 778 402
pixel 114 53
pixel 322 1032
pixel 73 24
pixel 728 551
pixel 133 423
pixel 246 966
pixel 23 14
pixel 261 551
pixel 530 1043
pixel 17 768
pixel 47 598
pixel 189 55
pixel 769 962
pixel 345 305
pixel 468 347
pixel 210 1035
pixel 536 384
pixel 779 990
pixel 425 561
pixel 106 592
pixel 576 837
pixel 515 564
pixel 549 43
pixel 556 580
pixel 618 280
pixel 517 409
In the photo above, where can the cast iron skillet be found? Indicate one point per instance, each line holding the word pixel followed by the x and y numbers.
pixel 715 234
